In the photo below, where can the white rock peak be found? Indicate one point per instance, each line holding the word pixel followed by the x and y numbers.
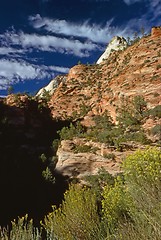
pixel 117 43
pixel 51 87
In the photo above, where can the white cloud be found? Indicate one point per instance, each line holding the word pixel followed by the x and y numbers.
pixel 58 69
pixel 97 33
pixel 12 71
pixel 10 50
pixel 155 3
pixel 94 32
pixel 49 43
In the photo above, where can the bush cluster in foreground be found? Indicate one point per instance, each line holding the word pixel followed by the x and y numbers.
pixel 123 207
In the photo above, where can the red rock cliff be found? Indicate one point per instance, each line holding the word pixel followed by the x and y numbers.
pixel 156 31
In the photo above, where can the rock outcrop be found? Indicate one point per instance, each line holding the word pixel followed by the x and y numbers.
pixel 116 44
pixel 91 89
pixel 156 31
pixel 76 71
pixel 80 165
pixel 53 84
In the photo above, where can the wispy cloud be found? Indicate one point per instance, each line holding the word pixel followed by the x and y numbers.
pixel 13 71
pixel 9 50
pixel 58 69
pixel 49 43
pixel 99 33
pixel 93 32
pixel 15 47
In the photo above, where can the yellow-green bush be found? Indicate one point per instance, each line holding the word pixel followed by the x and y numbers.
pixel 77 217
pixel 129 207
pixel 143 166
pixel 115 204
pixel 132 208
pixel 21 229
pixel 142 172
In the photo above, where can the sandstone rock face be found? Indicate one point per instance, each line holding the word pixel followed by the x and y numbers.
pixel 80 164
pixel 13 100
pixel 116 44
pixel 156 31
pixel 91 89
pixel 76 71
pixel 50 88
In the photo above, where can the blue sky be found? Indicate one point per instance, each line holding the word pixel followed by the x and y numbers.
pixel 40 39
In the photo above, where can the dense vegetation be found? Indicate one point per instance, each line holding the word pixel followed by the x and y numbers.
pixel 131 116
pixel 124 207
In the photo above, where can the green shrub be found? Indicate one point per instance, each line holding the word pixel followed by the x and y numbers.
pixel 158 66
pixel 84 109
pixel 55 145
pixel 109 156
pixel 102 130
pixel 131 113
pixel 71 131
pixel 43 158
pixel 156 111
pixel 127 118
pixel 138 136
pixel 83 149
pixel 103 121
pixel 48 176
pixel 45 97
pixel 142 172
pixel 99 181
pixel 139 104
pixel 115 204
pixel 156 130
pixel 22 229
pixel 77 217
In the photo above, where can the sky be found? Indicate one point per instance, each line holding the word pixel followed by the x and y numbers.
pixel 40 39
